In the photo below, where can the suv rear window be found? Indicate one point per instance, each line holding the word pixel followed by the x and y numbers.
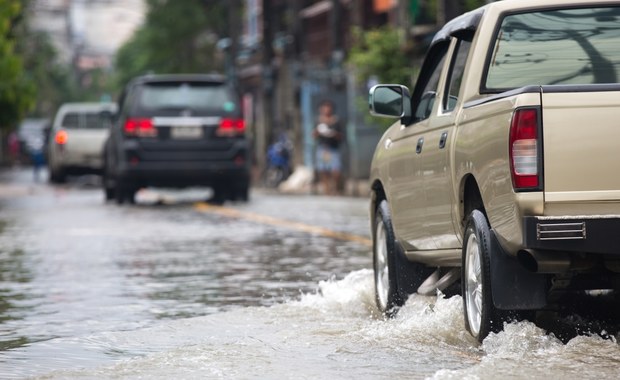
pixel 199 97
pixel 561 46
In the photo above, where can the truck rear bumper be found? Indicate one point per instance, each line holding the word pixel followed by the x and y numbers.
pixel 589 234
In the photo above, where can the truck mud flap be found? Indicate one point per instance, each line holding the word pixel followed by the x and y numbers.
pixel 409 275
pixel 513 287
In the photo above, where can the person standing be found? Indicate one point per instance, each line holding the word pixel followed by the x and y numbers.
pixel 35 147
pixel 328 137
pixel 14 151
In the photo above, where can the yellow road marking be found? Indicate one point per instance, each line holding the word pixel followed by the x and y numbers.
pixel 265 219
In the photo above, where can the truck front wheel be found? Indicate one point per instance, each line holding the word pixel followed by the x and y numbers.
pixel 395 276
pixel 481 316
pixel 386 287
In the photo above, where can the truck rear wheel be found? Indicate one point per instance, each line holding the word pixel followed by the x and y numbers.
pixel 481 316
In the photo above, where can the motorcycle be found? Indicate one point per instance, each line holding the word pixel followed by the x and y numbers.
pixel 279 156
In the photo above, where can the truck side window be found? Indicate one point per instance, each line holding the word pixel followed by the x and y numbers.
pixel 428 81
pixel 456 75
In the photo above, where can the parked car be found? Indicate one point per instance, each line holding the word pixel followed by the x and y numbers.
pixel 502 166
pixel 76 139
pixel 177 131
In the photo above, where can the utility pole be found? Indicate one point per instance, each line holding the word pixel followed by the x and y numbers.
pixel 447 10
pixel 233 12
pixel 295 31
pixel 263 135
pixel 337 56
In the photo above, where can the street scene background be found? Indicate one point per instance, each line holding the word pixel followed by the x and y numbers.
pixel 279 287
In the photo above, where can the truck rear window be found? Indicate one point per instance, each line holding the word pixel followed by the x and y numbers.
pixel 560 46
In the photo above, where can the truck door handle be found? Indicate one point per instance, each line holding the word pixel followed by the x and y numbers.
pixel 442 140
pixel 418 148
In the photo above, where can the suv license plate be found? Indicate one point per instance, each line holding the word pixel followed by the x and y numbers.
pixel 186 132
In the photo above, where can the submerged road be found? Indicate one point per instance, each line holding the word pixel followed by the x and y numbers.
pixel 280 288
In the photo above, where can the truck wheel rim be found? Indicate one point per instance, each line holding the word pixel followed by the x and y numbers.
pixel 473 272
pixel 381 267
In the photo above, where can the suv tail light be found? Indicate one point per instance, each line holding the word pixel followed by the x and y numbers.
pixel 231 127
pixel 61 137
pixel 525 150
pixel 140 127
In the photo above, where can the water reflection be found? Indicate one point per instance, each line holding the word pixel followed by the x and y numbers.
pixel 15 302
pixel 259 266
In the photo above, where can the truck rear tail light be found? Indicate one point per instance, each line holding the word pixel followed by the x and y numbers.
pixel 525 160
pixel 140 127
pixel 231 127
pixel 61 137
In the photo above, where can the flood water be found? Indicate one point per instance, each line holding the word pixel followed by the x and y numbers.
pixel 167 289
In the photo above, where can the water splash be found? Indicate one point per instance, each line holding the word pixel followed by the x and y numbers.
pixel 335 332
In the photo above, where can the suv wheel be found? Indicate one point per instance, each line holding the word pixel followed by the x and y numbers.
pixel 108 185
pixel 109 193
pixel 242 191
pixel 125 193
pixel 220 194
pixel 481 316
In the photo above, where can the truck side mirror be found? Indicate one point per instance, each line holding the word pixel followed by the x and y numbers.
pixel 390 100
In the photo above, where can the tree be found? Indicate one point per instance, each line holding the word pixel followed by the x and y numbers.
pixel 379 53
pixel 177 36
pixel 55 83
pixel 17 93
pixel 473 4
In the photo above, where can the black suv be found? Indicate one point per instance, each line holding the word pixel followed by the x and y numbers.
pixel 177 131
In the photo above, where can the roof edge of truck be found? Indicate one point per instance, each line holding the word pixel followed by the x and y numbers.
pixel 466 22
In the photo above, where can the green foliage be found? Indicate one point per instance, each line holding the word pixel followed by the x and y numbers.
pixel 17 93
pixel 55 83
pixel 379 53
pixel 427 12
pixel 473 4
pixel 132 58
pixel 177 37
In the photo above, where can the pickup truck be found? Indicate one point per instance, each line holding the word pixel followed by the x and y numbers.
pixel 503 168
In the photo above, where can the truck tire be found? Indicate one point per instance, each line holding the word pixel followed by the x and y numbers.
pixel 481 316
pixel 387 296
pixel 395 276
